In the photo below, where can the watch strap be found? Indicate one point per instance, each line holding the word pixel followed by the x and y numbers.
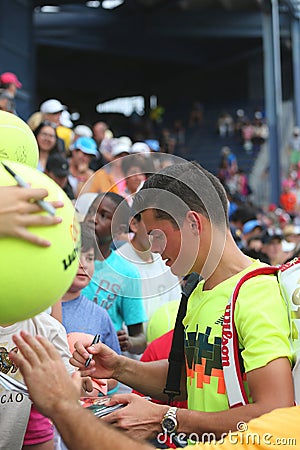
pixel 170 414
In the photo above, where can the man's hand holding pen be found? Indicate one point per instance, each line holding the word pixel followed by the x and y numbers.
pixel 105 362
pixel 96 340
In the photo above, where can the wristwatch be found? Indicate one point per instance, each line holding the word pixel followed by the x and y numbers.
pixel 169 421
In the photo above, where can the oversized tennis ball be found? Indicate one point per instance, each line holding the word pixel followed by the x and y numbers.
pixel 32 278
pixel 17 141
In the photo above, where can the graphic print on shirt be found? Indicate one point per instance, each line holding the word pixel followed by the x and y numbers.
pixel 203 359
pixel 6 365
pixel 111 289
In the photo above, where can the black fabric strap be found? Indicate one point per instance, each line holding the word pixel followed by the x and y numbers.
pixel 176 356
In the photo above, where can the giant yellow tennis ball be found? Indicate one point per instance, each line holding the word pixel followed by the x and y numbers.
pixel 32 278
pixel 17 141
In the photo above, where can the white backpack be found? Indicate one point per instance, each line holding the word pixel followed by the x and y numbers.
pixel 288 276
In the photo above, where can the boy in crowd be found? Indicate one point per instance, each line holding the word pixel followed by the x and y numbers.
pixel 80 317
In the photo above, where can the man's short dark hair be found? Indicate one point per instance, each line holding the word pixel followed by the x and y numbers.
pixel 180 188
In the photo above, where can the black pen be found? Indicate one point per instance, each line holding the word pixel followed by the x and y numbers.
pixel 95 341
pixel 44 205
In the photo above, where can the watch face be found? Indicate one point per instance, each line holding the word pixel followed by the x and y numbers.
pixel 169 424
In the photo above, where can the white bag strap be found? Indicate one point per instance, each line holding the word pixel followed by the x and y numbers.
pixel 289 281
pixel 235 389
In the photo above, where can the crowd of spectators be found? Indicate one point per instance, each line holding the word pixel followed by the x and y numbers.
pixel 250 133
pixel 89 158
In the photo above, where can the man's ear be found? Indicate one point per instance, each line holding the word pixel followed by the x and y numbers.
pixel 133 225
pixel 194 220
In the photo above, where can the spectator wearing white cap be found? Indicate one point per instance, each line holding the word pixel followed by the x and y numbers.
pixel 125 140
pixel 140 147
pixel 83 151
pixel 51 110
pixel 82 131
pixel 109 142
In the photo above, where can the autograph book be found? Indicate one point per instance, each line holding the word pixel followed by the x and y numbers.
pixel 98 405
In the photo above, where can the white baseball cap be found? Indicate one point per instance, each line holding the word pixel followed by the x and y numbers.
pixel 52 106
pixel 140 147
pixel 119 147
pixel 125 140
pixel 83 130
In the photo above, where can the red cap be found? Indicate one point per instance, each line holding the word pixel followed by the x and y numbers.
pixel 272 207
pixel 10 78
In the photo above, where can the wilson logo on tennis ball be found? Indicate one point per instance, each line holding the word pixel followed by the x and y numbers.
pixel 67 262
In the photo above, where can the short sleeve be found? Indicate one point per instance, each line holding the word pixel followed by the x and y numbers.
pixel 261 320
pixel 53 330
